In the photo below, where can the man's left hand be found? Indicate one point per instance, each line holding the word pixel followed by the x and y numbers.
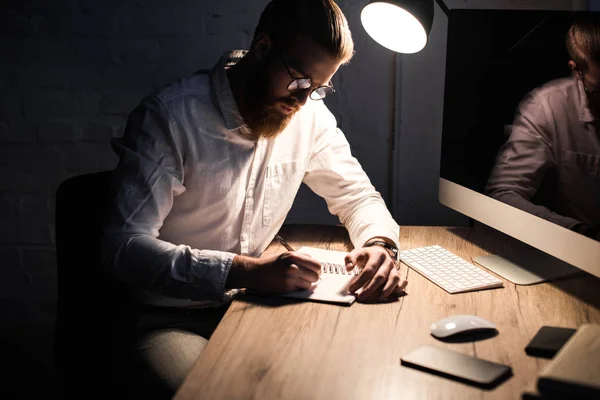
pixel 379 278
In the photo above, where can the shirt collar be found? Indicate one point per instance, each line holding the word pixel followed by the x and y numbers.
pixel 222 89
pixel 585 115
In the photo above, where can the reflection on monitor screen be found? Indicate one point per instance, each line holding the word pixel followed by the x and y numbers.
pixel 521 134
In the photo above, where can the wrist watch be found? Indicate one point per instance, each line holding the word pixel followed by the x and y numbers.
pixel 389 247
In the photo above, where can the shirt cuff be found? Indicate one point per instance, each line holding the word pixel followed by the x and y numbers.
pixel 210 269
pixel 372 232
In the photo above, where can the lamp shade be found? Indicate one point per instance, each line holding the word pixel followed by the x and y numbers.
pixel 399 25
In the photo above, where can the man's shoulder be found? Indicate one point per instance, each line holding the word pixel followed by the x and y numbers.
pixel 195 87
pixel 560 88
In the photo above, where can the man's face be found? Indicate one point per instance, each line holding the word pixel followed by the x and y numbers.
pixel 271 105
pixel 591 80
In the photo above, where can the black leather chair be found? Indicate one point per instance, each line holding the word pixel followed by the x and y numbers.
pixel 93 321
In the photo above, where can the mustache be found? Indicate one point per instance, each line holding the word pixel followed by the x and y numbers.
pixel 293 104
pixel 288 103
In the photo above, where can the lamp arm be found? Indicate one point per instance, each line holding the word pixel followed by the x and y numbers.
pixel 443 6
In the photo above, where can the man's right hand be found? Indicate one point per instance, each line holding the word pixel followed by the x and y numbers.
pixel 274 273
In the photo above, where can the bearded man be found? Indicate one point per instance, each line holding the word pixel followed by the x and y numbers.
pixel 209 168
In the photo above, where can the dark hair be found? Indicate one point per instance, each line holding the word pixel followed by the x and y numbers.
pixel 583 40
pixel 320 20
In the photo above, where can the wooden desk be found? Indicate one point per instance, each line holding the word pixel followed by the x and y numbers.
pixel 277 349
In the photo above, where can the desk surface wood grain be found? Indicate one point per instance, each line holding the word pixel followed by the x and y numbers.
pixel 269 348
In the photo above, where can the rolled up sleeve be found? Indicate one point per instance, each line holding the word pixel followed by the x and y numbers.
pixel 337 176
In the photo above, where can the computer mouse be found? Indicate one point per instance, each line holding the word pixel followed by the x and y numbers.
pixel 457 324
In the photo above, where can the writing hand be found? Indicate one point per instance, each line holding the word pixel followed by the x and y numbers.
pixel 281 273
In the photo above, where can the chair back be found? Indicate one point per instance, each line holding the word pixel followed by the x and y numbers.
pixel 92 319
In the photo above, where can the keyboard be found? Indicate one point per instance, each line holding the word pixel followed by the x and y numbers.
pixel 447 270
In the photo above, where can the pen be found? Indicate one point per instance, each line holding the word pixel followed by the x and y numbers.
pixel 290 248
pixel 284 243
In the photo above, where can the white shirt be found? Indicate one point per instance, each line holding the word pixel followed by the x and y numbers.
pixel 192 190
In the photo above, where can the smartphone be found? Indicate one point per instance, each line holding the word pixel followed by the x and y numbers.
pixel 548 341
pixel 457 366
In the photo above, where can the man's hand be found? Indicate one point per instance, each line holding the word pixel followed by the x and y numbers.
pixel 379 278
pixel 281 273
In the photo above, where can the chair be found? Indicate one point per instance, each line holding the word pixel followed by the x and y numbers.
pixel 93 319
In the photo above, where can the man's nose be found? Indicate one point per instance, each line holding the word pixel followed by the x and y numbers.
pixel 301 96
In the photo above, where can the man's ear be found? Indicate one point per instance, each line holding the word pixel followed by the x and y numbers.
pixel 574 68
pixel 261 46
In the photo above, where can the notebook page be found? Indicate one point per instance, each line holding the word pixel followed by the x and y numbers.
pixel 334 282
pixel 332 261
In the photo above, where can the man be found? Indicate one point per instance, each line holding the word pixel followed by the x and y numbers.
pixel 550 165
pixel 209 168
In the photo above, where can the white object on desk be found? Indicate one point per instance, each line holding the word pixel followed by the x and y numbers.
pixel 334 282
pixel 447 270
pixel 457 324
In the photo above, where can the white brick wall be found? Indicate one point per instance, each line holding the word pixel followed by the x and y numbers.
pixel 70 72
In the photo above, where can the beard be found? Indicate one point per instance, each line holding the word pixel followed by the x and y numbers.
pixel 263 114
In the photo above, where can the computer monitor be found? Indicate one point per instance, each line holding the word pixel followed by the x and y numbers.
pixel 494 58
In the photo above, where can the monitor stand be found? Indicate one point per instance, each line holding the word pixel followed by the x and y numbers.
pixel 527 266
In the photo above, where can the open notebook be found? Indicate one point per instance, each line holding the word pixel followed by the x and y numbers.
pixel 334 282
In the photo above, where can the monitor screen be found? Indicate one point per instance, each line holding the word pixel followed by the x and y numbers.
pixel 519 129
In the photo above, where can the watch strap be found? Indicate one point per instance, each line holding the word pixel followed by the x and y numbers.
pixel 392 248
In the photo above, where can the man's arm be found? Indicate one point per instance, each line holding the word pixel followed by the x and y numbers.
pixel 334 174
pixel 524 161
pixel 149 175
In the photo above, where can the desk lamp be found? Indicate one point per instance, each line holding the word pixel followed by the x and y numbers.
pixel 400 25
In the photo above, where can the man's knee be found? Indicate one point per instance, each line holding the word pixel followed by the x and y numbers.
pixel 167 356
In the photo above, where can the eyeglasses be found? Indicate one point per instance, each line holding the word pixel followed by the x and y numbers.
pixel 297 84
pixel 594 93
